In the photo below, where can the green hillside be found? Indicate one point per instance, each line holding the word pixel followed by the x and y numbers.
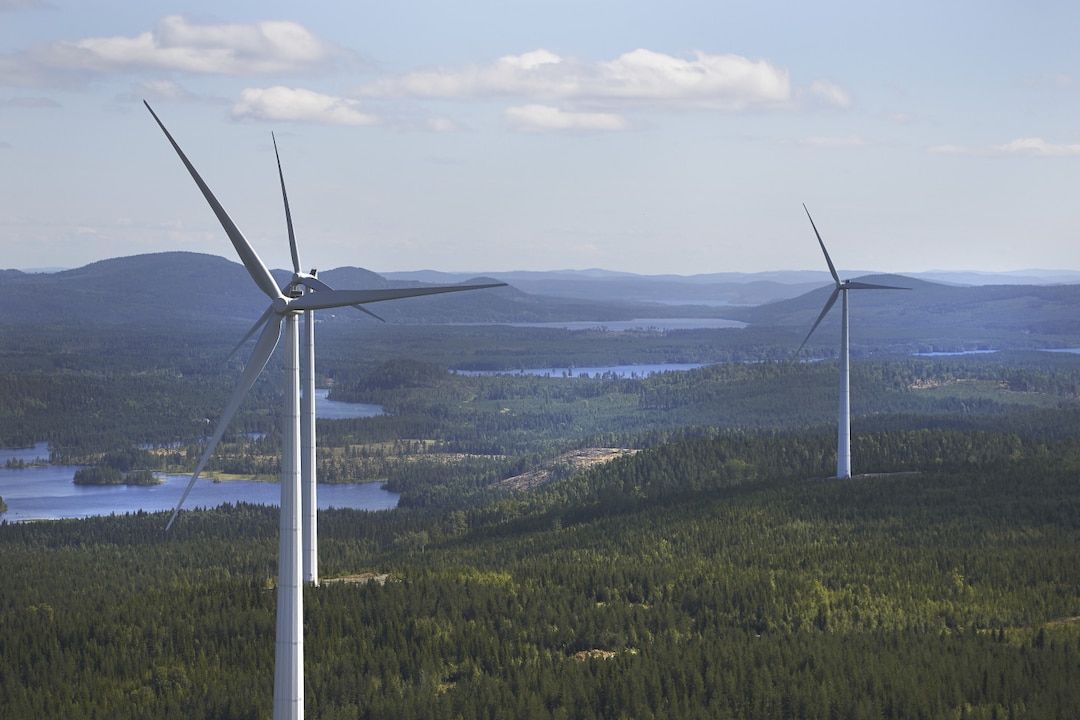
pixel 705 578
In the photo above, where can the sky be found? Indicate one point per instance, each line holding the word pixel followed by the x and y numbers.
pixel 482 136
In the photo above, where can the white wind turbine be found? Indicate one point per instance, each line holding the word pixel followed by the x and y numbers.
pixel 308 443
pixel 843 435
pixel 283 310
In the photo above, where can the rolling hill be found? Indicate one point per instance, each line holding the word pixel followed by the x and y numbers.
pixel 163 290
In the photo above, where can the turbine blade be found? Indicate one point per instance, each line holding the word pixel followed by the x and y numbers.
pixel 264 348
pixel 314 283
pixel 326 299
pixel 828 259
pixel 258 324
pixel 248 256
pixel 868 286
pixel 364 310
pixel 825 311
pixel 288 215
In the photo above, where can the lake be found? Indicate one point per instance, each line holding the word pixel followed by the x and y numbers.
pixel 660 324
pixel 949 353
pixel 624 371
pixel 1072 351
pixel 48 493
pixel 337 410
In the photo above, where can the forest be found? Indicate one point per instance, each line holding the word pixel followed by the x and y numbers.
pixel 713 570
pixel 704 577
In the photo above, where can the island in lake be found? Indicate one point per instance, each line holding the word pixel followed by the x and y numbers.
pixel 105 475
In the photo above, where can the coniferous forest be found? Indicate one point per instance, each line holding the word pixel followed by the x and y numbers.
pixel 711 570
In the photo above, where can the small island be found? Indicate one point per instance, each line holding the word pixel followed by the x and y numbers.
pixel 105 475
pixel 20 464
pixel 3 506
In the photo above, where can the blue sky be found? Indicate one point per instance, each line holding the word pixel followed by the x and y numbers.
pixel 674 137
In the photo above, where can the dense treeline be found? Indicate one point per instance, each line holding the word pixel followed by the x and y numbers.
pixel 700 578
pixel 528 418
pixel 106 475
pixel 91 390
pixel 85 414
pixel 446 435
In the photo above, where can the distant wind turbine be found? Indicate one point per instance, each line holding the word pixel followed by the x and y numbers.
pixel 283 311
pixel 308 472
pixel 843 435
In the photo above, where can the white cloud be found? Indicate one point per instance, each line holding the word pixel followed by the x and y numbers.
pixel 543 119
pixel 1031 147
pixel 161 90
pixel 442 125
pixel 953 150
pixel 830 93
pixel 1038 146
pixel 299 105
pixel 641 77
pixel 179 44
pixel 535 73
pixel 728 82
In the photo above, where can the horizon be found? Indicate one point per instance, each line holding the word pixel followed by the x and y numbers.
pixel 1021 272
pixel 612 134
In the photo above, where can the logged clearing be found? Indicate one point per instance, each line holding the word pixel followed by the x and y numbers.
pixel 359 578
pixel 576 460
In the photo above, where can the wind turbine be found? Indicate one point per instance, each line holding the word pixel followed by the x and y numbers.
pixel 843 435
pixel 283 311
pixel 308 472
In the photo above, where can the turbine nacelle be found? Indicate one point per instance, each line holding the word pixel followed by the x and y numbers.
pixel 309 280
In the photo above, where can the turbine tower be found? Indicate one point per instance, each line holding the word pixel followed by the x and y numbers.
pixel 843 434
pixel 283 311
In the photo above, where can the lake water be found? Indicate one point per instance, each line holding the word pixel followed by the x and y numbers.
pixel 1072 351
pixel 337 410
pixel 48 493
pixel 624 371
pixel 949 353
pixel 639 324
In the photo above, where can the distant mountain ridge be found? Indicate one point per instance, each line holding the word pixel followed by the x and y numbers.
pixel 933 316
pixel 187 287
pixel 783 277
pixel 718 289
pixel 170 290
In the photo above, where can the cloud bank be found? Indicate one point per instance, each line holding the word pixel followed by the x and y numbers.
pixel 545 119
pixel 547 92
pixel 1030 147
pixel 642 77
pixel 299 105
pixel 178 44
